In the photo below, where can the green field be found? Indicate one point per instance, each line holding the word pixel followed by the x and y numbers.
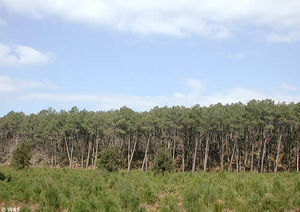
pixel 46 189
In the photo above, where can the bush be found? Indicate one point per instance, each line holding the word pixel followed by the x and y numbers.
pixel 163 161
pixel 109 159
pixel 21 156
pixel 48 189
pixel 51 196
pixel 25 209
pixel 128 196
pixel 2 176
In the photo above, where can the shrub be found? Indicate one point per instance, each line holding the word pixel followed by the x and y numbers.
pixel 278 185
pixel 2 176
pixel 192 200
pixel 109 159
pixel 51 196
pixel 8 178
pixel 25 208
pixel 21 156
pixel 297 184
pixel 148 193
pixel 128 196
pixel 163 161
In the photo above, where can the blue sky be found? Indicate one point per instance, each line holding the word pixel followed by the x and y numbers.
pixel 101 54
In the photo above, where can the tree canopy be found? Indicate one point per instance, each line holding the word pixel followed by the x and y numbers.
pixel 260 135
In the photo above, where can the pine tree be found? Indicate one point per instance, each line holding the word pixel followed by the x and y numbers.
pixel 163 161
pixel 21 156
pixel 109 159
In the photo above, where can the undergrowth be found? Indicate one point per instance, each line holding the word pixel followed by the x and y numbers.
pixel 47 189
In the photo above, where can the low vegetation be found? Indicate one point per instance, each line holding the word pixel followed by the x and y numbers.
pixel 49 189
pixel 2 176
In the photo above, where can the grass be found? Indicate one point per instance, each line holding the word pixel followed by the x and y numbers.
pixel 46 189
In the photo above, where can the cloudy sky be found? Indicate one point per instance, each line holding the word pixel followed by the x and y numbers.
pixel 103 54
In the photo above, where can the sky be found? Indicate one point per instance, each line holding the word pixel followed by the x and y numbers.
pixel 105 54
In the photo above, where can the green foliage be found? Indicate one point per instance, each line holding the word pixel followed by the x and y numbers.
pixel 8 178
pixel 51 196
pixel 2 176
pixel 148 193
pixel 68 136
pixel 25 209
pixel 297 184
pixel 109 159
pixel 21 156
pixel 163 161
pixel 128 197
pixel 46 189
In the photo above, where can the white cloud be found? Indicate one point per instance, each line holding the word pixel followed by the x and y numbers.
pixel 284 37
pixel 196 86
pixel 209 18
pixel 287 88
pixel 195 96
pixel 102 101
pixel 8 85
pixel 22 55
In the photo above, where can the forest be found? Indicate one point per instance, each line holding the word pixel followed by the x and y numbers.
pixel 261 136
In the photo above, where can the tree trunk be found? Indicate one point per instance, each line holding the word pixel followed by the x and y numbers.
pixel 297 157
pixel 174 147
pixel 55 155
pixel 182 158
pixel 52 160
pixel 128 153
pixel 82 166
pixel 232 155
pixel 222 152
pixel 68 153
pixel 146 156
pixel 297 160
pixel 237 158
pixel 252 155
pixel 263 156
pixel 88 155
pixel 131 155
pixel 206 153
pixel 259 154
pixel 96 153
pixel 52 154
pixel 195 156
pixel 93 155
pixel 246 161
pixel 278 152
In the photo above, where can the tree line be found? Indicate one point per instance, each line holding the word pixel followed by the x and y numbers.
pixel 261 136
